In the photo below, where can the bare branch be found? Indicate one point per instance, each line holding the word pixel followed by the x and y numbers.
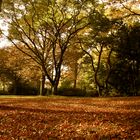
pixel 133 13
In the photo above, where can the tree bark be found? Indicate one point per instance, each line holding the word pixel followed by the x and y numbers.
pixel 75 75
pixel 96 70
pixel 108 70
pixel 0 4
pixel 98 84
pixel 42 85
pixel 54 89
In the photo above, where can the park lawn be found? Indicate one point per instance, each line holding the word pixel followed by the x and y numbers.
pixel 54 118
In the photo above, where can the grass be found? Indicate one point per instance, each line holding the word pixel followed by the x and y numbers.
pixel 55 117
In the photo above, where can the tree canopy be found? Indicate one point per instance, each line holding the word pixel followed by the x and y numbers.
pixel 92 45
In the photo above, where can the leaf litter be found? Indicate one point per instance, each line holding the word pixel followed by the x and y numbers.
pixel 70 118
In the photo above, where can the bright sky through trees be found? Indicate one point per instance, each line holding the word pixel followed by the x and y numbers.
pixel 3 41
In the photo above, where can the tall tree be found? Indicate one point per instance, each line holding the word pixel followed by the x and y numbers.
pixel 46 33
pixel 126 70
pixel 95 45
pixel 71 58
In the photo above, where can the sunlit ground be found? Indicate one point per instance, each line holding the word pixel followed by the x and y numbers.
pixel 42 118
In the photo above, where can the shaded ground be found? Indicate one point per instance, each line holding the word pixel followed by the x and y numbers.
pixel 51 118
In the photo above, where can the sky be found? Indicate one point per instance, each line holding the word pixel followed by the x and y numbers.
pixel 3 41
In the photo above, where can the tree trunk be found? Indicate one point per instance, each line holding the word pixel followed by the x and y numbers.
pixel 0 5
pixel 16 83
pixel 98 84
pixel 75 75
pixel 75 83
pixel 57 74
pixel 108 70
pixel 54 89
pixel 15 89
pixel 42 85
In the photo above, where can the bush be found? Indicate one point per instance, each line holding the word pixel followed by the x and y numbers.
pixel 77 92
pixel 91 93
pixel 2 92
pixel 66 84
pixel 23 89
pixel 71 92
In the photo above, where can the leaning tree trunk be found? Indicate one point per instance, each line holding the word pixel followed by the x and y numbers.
pixel 96 70
pixel 109 67
pixel 99 86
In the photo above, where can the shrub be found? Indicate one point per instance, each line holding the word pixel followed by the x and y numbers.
pixel 23 89
pixel 66 84
pixel 71 92
pixel 91 93
pixel 2 92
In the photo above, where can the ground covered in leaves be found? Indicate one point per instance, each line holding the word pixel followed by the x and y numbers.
pixel 60 118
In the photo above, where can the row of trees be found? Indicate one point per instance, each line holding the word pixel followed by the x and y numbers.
pixel 72 43
pixel 18 72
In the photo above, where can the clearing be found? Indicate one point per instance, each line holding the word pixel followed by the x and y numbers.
pixel 63 118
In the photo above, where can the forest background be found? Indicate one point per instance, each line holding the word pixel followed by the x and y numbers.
pixel 70 47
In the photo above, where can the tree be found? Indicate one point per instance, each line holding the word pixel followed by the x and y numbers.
pixel 71 65
pixel 125 10
pixel 46 33
pixel 96 46
pixel 18 71
pixel 0 4
pixel 126 71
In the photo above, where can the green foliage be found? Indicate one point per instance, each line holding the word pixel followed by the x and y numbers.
pixel 71 92
pixel 51 33
pixel 91 93
pixel 46 29
pixel 77 92
pixel 125 75
pixel 99 22
pixel 23 89
pixel 66 83
pixel 17 72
